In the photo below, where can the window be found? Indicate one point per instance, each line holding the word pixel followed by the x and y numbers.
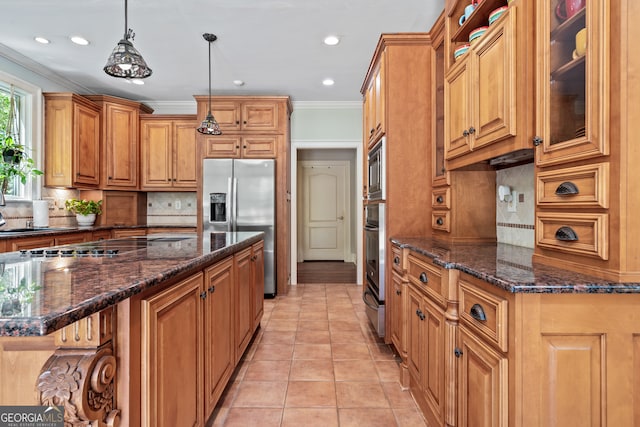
pixel 27 100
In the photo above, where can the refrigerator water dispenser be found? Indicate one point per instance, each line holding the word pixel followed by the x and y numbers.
pixel 218 207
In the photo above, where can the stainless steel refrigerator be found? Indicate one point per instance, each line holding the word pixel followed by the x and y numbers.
pixel 239 195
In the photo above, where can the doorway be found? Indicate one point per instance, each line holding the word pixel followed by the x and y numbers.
pixel 318 200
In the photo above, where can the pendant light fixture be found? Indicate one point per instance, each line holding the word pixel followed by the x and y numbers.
pixel 209 125
pixel 125 61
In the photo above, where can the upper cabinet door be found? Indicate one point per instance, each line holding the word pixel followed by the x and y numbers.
pixel 121 140
pixel 227 114
pixel 457 106
pixel 259 115
pixel 573 102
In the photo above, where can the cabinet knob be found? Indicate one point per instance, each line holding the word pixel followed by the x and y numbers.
pixel 439 221
pixel 203 295
pixel 244 122
pixel 420 314
pixel 398 292
pixel 537 140
pixel 457 352
pixel 371 131
pixel 424 278
pixel 472 130
pixel 237 122
pixel 396 260
pixel 439 199
pixel 465 133
pixel 212 289
pixel 244 146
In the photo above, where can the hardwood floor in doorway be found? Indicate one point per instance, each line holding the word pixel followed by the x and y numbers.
pixel 326 272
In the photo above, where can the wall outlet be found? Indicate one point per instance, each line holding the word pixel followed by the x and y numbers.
pixel 177 205
pixel 512 205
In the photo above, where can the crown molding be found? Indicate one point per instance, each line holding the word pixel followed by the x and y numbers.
pixel 326 105
pixel 173 107
pixel 41 70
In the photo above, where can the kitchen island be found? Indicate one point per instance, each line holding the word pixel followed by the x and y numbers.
pixel 98 327
pixel 490 338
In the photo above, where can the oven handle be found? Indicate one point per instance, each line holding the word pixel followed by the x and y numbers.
pixel 367 303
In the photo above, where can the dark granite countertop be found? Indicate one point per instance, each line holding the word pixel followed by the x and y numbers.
pixel 510 267
pixel 12 233
pixel 41 292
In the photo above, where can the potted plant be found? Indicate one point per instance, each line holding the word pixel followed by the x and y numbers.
pixel 85 210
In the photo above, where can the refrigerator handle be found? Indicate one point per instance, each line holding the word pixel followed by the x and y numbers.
pixel 229 206
pixel 234 212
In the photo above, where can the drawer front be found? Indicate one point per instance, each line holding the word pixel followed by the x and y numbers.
pixel 426 277
pixel 441 220
pixel 485 313
pixel 577 233
pixel 441 198
pixel 581 186
pixel 396 260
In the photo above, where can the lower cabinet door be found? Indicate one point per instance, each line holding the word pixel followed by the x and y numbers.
pixel 218 330
pixel 171 350
pixel 258 283
pixel 244 301
pixel 482 383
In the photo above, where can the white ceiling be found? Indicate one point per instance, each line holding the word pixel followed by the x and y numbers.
pixel 275 46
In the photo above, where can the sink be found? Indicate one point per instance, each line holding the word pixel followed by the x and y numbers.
pixel 30 229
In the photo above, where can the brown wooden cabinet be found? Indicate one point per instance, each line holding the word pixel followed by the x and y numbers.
pixel 119 207
pixel 243 115
pixel 172 339
pixel 72 141
pixel 220 358
pixel 374 103
pixel 120 141
pixel 238 146
pixel 78 237
pixel 257 272
pixel 244 296
pixel 30 243
pixel 168 153
pixel 487 110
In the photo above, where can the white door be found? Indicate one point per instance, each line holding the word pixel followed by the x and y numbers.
pixel 324 210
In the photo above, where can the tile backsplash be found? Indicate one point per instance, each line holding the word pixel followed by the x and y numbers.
pixel 517 228
pixel 166 208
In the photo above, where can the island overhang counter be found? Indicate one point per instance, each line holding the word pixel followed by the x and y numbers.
pixel 86 326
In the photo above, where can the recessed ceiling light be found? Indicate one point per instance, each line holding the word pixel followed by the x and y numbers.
pixel 41 40
pixel 331 40
pixel 238 82
pixel 137 81
pixel 79 40
pixel 328 82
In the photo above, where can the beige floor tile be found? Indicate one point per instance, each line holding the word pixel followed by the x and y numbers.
pixel 314 315
pixel 281 325
pixel 381 352
pixel 228 395
pixel 285 315
pixel 312 370
pixel 347 337
pixel 367 417
pixel 310 417
pixel 268 370
pixel 260 394
pixel 278 337
pixel 355 370
pixel 388 370
pixel 397 397
pixel 313 325
pixel 350 351
pixel 343 325
pixel 360 395
pixel 409 417
pixel 274 352
pixel 245 417
pixel 312 351
pixel 311 394
pixel 313 337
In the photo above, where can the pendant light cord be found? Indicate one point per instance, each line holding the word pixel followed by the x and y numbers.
pixel 210 78
pixel 126 27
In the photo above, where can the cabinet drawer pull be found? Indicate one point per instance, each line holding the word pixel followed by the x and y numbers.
pixel 457 352
pixel 566 234
pixel 537 140
pixel 439 221
pixel 424 278
pixel 398 292
pixel 396 260
pixel 439 199
pixel 567 189
pixel 477 312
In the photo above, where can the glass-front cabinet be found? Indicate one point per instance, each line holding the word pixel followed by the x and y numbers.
pixel 572 80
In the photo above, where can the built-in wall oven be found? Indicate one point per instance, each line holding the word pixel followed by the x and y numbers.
pixel 375 240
